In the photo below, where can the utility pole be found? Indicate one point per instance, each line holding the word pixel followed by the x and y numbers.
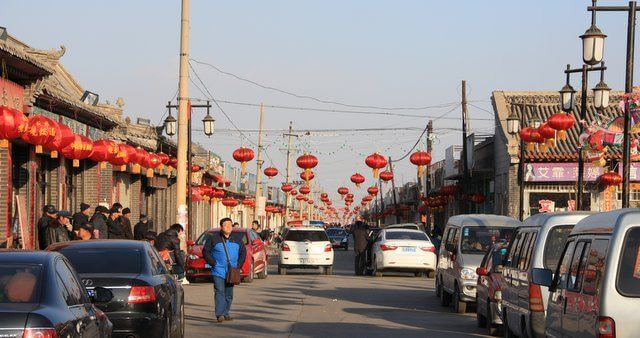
pixel 256 208
pixel 464 205
pixel 427 180
pixel 286 201
pixel 183 119
pixel 393 191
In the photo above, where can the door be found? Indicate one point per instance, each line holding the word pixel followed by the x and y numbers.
pixel 555 309
pixel 593 276
pixel 84 322
pixel 166 288
pixel 522 275
pixel 482 291
pixel 449 263
pixel 257 246
pixel 574 302
pixel 510 294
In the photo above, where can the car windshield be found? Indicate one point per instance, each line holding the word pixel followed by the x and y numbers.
pixel 237 236
pixel 336 232
pixel 106 261
pixel 556 240
pixel 628 280
pixel 478 240
pixel 306 235
pixel 19 283
pixel 412 235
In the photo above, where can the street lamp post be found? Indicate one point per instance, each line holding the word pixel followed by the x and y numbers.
pixel 593 48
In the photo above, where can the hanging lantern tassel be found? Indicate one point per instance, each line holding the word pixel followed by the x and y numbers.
pixel 243 166
pixel 76 163
pixel 149 172
pixel 375 173
pixel 531 146
pixel 38 149
pixel 103 165
pixel 543 147
pixel 307 175
pixel 123 167
pixel 562 135
pixel 54 154
pixel 551 142
pixel 4 143
pixel 420 170
pixel 136 169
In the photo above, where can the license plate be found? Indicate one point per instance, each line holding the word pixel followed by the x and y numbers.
pixel 207 266
pixel 408 249
pixel 91 292
pixel 306 260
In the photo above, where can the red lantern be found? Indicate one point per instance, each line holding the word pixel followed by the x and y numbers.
pixel 310 201
pixel 293 192
pixel 376 162
pixel 164 158
pixel 103 151
pixel 305 190
pixel 307 162
pixel 386 176
pixel 357 179
pixel 79 149
pixel 530 136
pixel 218 193
pixel 343 191
pixel 229 202
pixel 610 178
pixel 248 202
pixel 195 168
pixel 299 197
pixel 286 188
pixel 372 190
pixel 125 153
pixel 548 134
pixel 13 124
pixel 307 175
pixel 561 122
pixel 173 162
pixel 151 162
pixel 64 137
pixel 270 172
pixel 243 155
pixel 40 131
pixel 421 159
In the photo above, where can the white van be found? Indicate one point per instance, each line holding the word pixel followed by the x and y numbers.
pixel 595 289
pixel 465 241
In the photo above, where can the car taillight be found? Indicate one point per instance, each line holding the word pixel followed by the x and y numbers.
pixel 327 248
pixel 385 247
pixel 285 247
pixel 535 298
pixel 39 333
pixel 142 294
pixel 606 327
pixel 428 248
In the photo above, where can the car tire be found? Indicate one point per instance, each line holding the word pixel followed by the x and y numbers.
pixel 264 273
pixel 281 270
pixel 249 278
pixel 445 297
pixel 481 320
pixel 438 288
pixel 492 329
pixel 376 272
pixel 328 270
pixel 431 274
pixel 458 305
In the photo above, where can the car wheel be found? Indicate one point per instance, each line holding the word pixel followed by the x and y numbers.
pixel 481 320
pixel 249 278
pixel 281 270
pixel 376 272
pixel 264 273
pixel 445 297
pixel 431 274
pixel 458 305
pixel 328 270
pixel 438 288
pixel 492 329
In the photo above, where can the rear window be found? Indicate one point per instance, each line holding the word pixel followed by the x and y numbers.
pixel 628 281
pixel 19 283
pixel 116 261
pixel 418 236
pixel 479 239
pixel 237 236
pixel 306 235
pixel 336 232
pixel 556 239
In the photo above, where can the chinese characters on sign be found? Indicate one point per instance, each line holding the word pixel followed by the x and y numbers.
pixel 560 172
pixel 11 94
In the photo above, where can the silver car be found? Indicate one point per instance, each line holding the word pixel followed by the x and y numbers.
pixel 595 289
pixel 536 244
pixel 465 241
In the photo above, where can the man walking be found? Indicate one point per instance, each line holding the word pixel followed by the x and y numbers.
pixel 222 252
pixel 360 240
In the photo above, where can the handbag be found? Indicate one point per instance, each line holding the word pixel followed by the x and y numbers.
pixel 233 274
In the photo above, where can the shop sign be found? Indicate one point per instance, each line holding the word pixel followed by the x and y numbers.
pixel 547 206
pixel 11 94
pixel 560 172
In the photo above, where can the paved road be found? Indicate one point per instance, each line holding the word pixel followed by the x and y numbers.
pixel 306 304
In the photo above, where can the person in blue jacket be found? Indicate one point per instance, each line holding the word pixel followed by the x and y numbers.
pixel 215 256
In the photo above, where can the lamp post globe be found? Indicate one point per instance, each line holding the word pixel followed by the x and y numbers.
pixel 170 125
pixel 601 95
pixel 208 123
pixel 567 94
pixel 513 124
pixel 593 45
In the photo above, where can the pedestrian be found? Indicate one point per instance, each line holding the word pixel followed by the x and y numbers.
pixel 223 252
pixel 114 225
pixel 255 225
pixel 141 227
pixel 59 229
pixel 82 216
pixel 85 232
pixel 236 225
pixel 126 223
pixel 99 221
pixel 168 245
pixel 360 241
pixel 49 213
pixel 150 236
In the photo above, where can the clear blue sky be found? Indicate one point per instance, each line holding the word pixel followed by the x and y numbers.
pixel 383 53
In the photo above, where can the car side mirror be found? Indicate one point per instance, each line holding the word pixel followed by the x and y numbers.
pixel 450 247
pixel 191 243
pixel 481 271
pixel 101 295
pixel 542 277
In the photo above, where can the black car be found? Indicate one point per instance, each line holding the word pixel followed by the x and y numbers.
pixel 42 296
pixel 339 238
pixel 147 302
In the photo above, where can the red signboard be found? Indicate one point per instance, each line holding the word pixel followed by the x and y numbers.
pixel 11 94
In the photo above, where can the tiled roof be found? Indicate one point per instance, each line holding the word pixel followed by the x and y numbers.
pixel 21 51
pixel 545 104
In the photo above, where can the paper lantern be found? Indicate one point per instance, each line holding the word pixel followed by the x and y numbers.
pixel 376 162
pixel 304 190
pixel 79 149
pixel 343 191
pixel 64 136
pixel 104 151
pixel 372 190
pixel 286 188
pixel 307 175
pixel 610 178
pixel 270 172
pixel 561 122
pixel 40 131
pixel 357 179
pixel 125 153
pixel 13 124
pixel 243 155
pixel 307 162
pixel 386 176
pixel 420 159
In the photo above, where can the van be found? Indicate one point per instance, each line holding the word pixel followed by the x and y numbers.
pixel 536 244
pixel 466 239
pixel 594 291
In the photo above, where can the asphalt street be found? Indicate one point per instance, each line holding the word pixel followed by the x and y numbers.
pixel 305 303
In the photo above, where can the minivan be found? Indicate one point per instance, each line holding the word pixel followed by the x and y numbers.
pixel 536 244
pixel 594 291
pixel 465 241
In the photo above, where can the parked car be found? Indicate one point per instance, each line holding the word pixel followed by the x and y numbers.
pixel 594 291
pixel 403 250
pixel 42 296
pixel 536 244
pixel 489 290
pixel 339 238
pixel 147 300
pixel 411 226
pixel 466 240
pixel 255 266
pixel 306 248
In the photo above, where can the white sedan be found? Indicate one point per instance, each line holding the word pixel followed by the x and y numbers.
pixel 403 250
pixel 306 248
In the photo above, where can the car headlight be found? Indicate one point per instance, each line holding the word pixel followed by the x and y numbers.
pixel 193 257
pixel 468 273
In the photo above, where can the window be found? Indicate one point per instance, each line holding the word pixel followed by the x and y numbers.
pixel 563 269
pixel 594 271
pixel 628 280
pixel 514 253
pixel 522 254
pixel 410 235
pixel 336 232
pixel 576 270
pixel 19 283
pixel 556 239
pixel 528 251
pixel 306 235
pixel 75 293
pixel 104 261
pixel 478 239
pixel 155 261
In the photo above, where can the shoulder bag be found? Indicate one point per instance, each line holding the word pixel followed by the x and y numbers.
pixel 233 275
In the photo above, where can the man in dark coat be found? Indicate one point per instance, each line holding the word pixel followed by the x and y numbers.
pixel 141 228
pixel 49 213
pixel 169 242
pixel 81 217
pixel 360 240
pixel 126 223
pixel 99 221
pixel 58 230
pixel 116 231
